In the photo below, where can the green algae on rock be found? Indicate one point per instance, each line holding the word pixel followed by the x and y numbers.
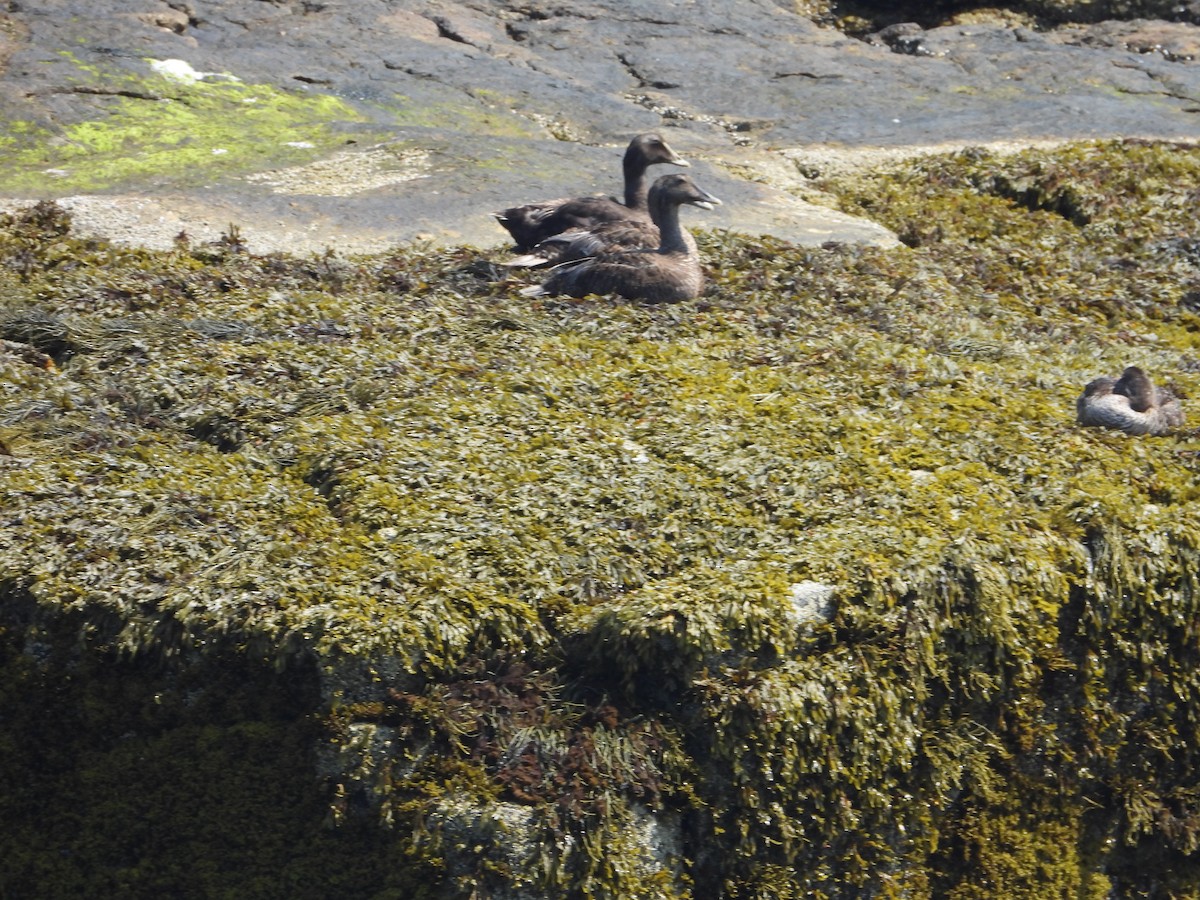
pixel 535 564
pixel 176 124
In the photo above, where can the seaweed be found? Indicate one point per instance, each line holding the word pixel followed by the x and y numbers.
pixel 547 570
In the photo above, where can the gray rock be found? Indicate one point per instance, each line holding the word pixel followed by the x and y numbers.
pixel 645 848
pixel 433 114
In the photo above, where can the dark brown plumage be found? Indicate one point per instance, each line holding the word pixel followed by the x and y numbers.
pixel 665 274
pixel 604 237
pixel 1130 403
pixel 534 222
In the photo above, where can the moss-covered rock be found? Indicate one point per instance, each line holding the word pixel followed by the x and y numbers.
pixel 172 123
pixel 528 574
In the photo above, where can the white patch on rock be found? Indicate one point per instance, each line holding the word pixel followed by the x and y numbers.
pixel 637 453
pixel 181 70
pixel 812 602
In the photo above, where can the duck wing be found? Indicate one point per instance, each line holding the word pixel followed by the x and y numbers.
pixel 606 237
pixel 533 223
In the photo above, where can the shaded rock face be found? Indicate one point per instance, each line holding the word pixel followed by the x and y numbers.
pixel 370 123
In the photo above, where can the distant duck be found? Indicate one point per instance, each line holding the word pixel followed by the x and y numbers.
pixel 531 224
pixel 667 273
pixel 1130 403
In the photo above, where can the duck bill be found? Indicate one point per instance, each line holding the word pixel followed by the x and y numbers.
pixel 708 201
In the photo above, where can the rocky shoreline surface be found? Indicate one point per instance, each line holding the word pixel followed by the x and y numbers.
pixel 359 126
pixel 333 565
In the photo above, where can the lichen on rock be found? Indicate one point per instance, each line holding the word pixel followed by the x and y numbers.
pixel 172 123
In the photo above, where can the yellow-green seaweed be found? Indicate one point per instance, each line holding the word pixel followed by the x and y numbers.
pixel 535 563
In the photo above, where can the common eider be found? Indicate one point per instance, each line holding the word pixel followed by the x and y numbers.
pixel 665 274
pixel 1130 403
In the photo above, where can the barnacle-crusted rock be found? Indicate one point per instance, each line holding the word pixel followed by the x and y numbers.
pixel 366 573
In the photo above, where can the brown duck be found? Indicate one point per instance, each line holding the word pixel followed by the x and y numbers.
pixel 531 224
pixel 665 274
pixel 1130 403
